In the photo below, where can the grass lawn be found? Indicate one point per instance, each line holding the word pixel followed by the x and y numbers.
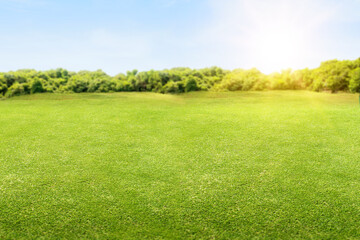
pixel 195 166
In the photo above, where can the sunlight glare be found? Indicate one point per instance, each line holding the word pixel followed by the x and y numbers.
pixel 277 37
pixel 278 47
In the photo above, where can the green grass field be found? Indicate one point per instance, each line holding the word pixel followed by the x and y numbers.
pixel 196 166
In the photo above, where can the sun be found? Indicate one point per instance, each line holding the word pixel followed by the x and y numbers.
pixel 278 35
pixel 278 47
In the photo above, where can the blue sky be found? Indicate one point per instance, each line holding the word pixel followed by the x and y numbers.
pixel 156 34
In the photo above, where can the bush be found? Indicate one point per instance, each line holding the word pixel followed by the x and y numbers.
pixel 3 88
pixel 18 89
pixel 77 84
pixel 36 86
pixel 123 86
pixel 190 84
pixel 170 87
pixel 100 85
pixel 354 85
pixel 241 80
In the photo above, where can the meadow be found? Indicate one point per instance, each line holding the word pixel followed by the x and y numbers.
pixel 201 165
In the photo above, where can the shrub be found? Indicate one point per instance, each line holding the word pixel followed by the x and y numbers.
pixel 354 84
pixel 170 87
pixel 77 84
pixel 190 84
pixel 123 86
pixel 241 80
pixel 36 86
pixel 3 88
pixel 18 89
pixel 100 85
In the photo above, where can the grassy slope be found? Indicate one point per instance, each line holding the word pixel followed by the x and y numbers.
pixel 201 165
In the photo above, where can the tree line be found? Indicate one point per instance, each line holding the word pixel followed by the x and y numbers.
pixel 333 75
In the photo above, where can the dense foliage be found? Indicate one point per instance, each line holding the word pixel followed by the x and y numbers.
pixel 331 76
